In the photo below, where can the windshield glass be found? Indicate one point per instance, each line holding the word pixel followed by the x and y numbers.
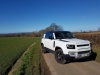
pixel 64 35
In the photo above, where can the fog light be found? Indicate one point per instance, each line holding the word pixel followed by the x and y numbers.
pixel 72 53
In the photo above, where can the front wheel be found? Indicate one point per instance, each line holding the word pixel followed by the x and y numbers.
pixel 59 56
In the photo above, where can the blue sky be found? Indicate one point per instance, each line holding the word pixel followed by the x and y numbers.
pixel 34 15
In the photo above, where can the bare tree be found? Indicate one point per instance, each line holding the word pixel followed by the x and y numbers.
pixel 54 27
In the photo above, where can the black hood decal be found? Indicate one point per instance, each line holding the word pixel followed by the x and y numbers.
pixel 64 40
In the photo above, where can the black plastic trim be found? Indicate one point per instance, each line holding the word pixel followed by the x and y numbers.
pixel 83 45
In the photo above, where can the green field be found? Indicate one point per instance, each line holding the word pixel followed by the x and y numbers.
pixel 11 48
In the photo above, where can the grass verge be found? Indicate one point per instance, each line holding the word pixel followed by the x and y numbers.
pixel 33 63
pixel 30 62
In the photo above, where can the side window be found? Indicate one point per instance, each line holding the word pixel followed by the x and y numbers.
pixel 47 35
pixel 51 35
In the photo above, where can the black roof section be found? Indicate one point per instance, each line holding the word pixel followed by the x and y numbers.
pixel 55 31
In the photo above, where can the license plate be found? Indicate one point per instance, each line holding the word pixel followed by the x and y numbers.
pixel 84 55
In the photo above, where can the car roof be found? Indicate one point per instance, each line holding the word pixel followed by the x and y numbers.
pixel 55 31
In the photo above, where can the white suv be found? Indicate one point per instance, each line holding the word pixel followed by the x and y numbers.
pixel 65 46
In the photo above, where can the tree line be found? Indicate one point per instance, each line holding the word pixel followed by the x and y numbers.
pixel 52 27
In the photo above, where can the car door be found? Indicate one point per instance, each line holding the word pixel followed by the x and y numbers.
pixel 51 41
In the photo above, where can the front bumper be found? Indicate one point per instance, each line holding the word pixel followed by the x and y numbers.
pixel 77 55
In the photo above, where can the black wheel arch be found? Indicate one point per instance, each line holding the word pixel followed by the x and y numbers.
pixel 57 47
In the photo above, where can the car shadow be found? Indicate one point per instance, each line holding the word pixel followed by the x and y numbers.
pixel 91 58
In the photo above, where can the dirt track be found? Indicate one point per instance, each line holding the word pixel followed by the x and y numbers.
pixel 72 68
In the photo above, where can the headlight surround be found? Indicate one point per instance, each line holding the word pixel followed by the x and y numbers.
pixel 69 46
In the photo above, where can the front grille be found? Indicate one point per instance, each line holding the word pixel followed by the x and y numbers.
pixel 83 45
pixel 83 52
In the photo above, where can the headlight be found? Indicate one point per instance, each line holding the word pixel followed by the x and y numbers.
pixel 70 46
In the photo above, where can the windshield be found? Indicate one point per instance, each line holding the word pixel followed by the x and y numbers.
pixel 64 35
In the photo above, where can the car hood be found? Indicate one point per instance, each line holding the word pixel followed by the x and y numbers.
pixel 75 41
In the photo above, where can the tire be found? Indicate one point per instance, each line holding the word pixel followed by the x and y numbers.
pixel 59 56
pixel 43 49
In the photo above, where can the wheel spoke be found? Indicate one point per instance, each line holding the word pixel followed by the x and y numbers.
pixel 59 56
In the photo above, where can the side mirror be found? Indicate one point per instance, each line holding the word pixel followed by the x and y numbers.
pixel 50 37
